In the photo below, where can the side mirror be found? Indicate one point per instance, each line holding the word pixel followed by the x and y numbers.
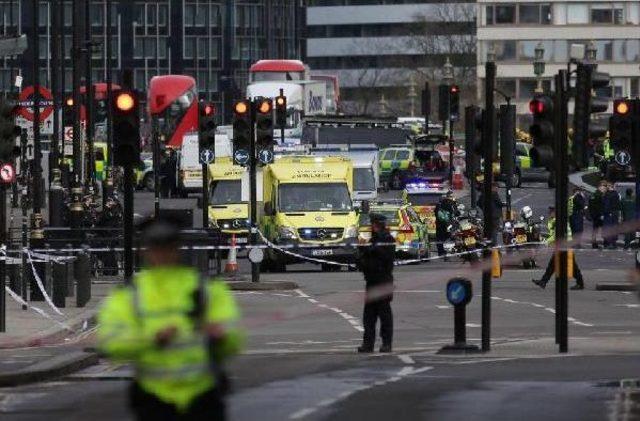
pixel 365 207
pixel 268 209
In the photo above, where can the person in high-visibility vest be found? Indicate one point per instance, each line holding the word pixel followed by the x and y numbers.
pixel 551 238
pixel 177 328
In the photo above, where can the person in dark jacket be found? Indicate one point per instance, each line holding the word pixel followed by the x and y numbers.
pixel 628 216
pixel 497 205
pixel 376 263
pixel 596 212
pixel 576 217
pixel 611 210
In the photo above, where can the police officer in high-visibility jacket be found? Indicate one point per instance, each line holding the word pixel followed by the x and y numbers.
pixel 177 329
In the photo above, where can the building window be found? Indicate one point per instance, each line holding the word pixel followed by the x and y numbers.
pixel 505 50
pixel 195 14
pixel 635 87
pixel 489 14
pixel 577 14
pixel 145 47
pixel 607 13
pixel 529 13
pixel 507 87
pixel 505 14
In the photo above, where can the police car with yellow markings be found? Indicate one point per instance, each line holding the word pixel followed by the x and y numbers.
pixel 404 224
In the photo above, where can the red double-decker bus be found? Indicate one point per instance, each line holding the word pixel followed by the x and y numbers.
pixel 173 106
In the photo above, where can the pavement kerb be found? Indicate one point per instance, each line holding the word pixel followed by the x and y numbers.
pixel 58 366
pixel 576 179
pixel 262 286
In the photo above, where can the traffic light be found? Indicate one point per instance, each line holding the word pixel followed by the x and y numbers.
pixel 507 140
pixel 444 106
pixel 589 85
pixel 542 131
pixel 126 127
pixel 472 140
pixel 281 111
pixel 454 102
pixel 207 125
pixel 264 126
pixel 426 102
pixel 8 132
pixel 67 112
pixel 242 132
pixel 621 127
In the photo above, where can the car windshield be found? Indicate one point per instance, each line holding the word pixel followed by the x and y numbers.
pixel 224 192
pixel 276 76
pixel 391 215
pixel 424 199
pixel 302 197
pixel 364 179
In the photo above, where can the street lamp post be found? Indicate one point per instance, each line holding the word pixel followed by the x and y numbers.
pixel 412 95
pixel 591 52
pixel 447 78
pixel 539 66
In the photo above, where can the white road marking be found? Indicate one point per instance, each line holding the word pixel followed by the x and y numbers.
pixel 627 305
pixel 404 372
pixel 353 321
pixel 444 307
pixel 473 325
pixel 520 199
pixel 405 358
pixel 573 320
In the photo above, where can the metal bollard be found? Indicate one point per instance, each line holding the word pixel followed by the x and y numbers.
pixel 71 290
pixel 56 201
pixel 14 277
pixel 37 242
pixel 82 272
pixel 59 275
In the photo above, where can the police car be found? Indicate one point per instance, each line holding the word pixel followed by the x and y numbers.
pixel 424 197
pixel 404 224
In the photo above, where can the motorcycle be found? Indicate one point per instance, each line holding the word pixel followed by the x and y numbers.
pixel 521 233
pixel 465 235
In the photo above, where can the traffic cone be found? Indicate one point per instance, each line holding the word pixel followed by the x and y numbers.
pixel 458 182
pixel 232 258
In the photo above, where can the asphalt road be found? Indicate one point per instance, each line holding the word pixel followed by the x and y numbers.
pixel 300 361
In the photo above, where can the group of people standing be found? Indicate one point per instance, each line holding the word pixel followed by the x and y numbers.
pixel 610 214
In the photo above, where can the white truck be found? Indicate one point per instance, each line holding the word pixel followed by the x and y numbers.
pixel 304 98
pixel 365 161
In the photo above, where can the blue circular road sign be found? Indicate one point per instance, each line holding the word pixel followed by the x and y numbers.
pixel 622 158
pixel 459 291
pixel 241 157
pixel 207 156
pixel 265 156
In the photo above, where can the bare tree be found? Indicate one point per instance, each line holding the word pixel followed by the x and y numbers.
pixel 367 79
pixel 447 29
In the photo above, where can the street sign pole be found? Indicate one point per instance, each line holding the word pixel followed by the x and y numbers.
pixel 488 145
pixel 562 216
pixel 77 66
pixel 55 73
pixel 3 259
pixel 156 168
pixel 205 191
pixel 253 195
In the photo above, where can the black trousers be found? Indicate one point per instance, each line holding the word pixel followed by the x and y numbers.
pixel 577 274
pixel 372 312
pixel 207 407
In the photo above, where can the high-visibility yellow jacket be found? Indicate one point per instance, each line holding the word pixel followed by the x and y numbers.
pixel 551 229
pixel 160 298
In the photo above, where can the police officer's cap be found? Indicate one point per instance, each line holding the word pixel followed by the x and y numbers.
pixel 161 231
pixel 377 218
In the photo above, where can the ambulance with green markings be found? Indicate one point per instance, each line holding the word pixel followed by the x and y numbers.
pixel 308 210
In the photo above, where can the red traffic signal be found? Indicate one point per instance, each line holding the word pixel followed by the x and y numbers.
pixel 7 174
pixel 208 110
pixel 454 89
pixel 541 105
